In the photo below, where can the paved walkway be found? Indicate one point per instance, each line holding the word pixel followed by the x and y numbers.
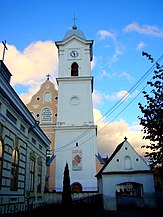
pixel 132 213
pixel 88 211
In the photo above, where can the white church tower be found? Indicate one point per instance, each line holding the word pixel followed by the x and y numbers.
pixel 75 139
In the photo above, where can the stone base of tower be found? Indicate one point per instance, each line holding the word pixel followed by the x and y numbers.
pixel 82 186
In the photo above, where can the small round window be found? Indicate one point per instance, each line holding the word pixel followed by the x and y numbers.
pixel 74 100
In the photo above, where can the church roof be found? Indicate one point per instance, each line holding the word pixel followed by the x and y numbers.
pixel 102 161
pixel 5 72
pixel 51 160
pixel 74 31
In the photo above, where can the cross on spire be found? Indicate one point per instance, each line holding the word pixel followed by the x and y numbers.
pixel 4 49
pixel 125 138
pixel 48 76
pixel 74 19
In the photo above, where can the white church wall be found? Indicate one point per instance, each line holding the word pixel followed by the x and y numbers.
pixel 75 102
pixel 83 58
pixel 85 173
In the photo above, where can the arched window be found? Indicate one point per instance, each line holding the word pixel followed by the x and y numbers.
pixel 39 175
pixel 14 170
pixel 1 159
pixel 74 69
pixel 127 163
pixel 32 172
pixel 47 97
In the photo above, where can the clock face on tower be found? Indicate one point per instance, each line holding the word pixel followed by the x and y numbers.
pixel 74 53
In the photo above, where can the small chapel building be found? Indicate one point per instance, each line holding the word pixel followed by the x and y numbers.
pixel 127 178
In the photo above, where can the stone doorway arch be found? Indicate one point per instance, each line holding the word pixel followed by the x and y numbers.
pixel 76 187
pixel 129 194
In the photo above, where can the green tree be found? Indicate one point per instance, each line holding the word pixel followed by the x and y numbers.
pixel 66 194
pixel 152 120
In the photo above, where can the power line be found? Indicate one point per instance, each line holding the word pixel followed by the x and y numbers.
pixel 114 107
pixel 131 90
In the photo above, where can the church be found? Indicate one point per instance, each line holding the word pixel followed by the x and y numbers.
pixel 57 128
pixel 74 140
pixel 66 115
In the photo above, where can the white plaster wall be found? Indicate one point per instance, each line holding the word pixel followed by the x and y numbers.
pixel 110 181
pixel 14 137
pixel 64 154
pixel 83 60
pixel 118 162
pixel 81 113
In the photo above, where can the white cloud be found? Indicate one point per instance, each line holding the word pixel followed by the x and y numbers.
pixel 34 63
pixel 93 63
pixel 105 74
pixel 144 29
pixel 103 34
pixel 97 98
pixel 109 135
pixel 126 75
pixel 120 94
pixel 123 94
pixel 30 67
pixel 140 45
pixel 116 54
pixel 27 95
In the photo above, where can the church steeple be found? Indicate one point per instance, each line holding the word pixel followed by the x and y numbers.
pixel 75 112
pixel 74 48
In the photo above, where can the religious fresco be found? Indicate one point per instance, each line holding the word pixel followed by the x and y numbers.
pixel 76 160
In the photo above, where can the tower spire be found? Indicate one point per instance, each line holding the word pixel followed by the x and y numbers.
pixel 74 19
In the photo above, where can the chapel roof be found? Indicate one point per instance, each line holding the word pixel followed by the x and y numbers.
pixel 118 148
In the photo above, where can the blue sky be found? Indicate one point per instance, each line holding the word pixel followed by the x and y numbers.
pixel 121 30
